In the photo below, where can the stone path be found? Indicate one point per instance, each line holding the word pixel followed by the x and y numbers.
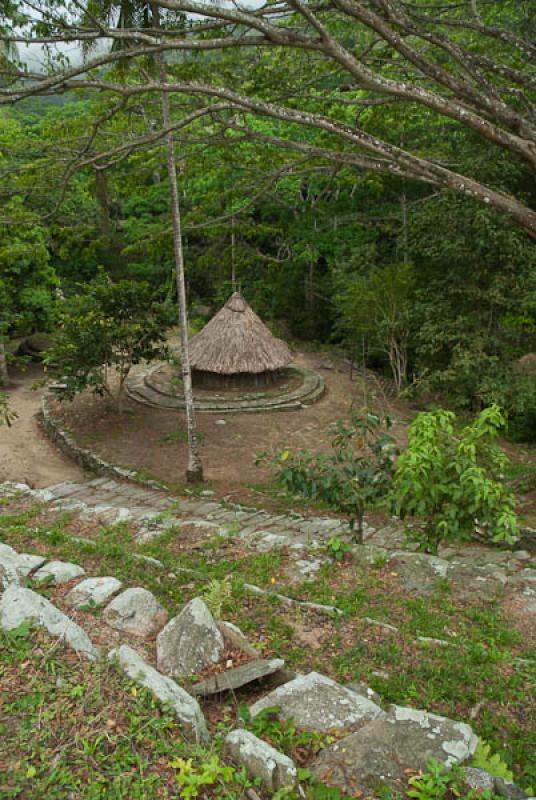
pixel 153 513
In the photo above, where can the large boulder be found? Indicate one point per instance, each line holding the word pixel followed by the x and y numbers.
pixel 136 611
pixel 262 762
pixel 316 703
pixel 185 708
pixel 383 751
pixel 93 592
pixel 190 641
pixel 19 606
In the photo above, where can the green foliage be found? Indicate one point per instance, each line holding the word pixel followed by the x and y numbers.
pixel 28 282
pixel 7 415
pixel 217 594
pixel 192 778
pixel 282 734
pixel 354 476
pixel 337 548
pixel 375 311
pixel 450 480
pixel 484 758
pixel 438 782
pixel 107 326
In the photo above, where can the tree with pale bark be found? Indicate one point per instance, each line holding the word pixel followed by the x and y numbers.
pixel 325 66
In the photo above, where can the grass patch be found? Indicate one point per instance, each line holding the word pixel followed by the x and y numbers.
pixel 477 678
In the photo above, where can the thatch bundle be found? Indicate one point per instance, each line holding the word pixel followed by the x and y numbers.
pixel 237 343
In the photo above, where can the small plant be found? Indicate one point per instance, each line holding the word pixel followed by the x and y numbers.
pixel 484 758
pixel 282 734
pixel 191 779
pixel 216 594
pixel 7 416
pixel 432 785
pixel 353 477
pixel 337 548
pixel 179 436
pixel 452 480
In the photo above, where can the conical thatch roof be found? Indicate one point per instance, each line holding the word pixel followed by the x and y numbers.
pixel 236 341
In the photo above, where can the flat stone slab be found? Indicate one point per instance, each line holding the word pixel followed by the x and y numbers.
pixel 185 708
pixel 419 573
pixel 316 703
pixel 190 641
pixel 19 606
pixel 93 592
pixel 380 752
pixel 236 677
pixel 262 762
pixel 136 611
pixel 59 572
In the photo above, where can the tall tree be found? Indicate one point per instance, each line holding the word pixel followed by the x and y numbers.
pixel 144 15
pixel 457 66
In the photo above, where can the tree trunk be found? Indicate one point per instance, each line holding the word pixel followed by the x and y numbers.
pixel 4 374
pixel 103 199
pixel 194 470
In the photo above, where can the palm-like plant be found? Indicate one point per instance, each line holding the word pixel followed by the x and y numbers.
pixel 137 14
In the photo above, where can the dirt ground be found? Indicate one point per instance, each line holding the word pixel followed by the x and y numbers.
pixel 152 440
pixel 26 455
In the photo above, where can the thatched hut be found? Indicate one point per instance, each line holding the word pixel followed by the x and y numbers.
pixel 236 349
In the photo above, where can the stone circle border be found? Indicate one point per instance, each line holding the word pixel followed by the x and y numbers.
pixel 140 388
pixel 86 458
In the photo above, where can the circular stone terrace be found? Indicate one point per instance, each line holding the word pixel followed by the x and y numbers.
pixel 160 386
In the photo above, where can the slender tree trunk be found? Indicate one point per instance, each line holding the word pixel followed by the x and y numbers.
pixel 4 374
pixel 233 245
pixel 404 208
pixel 103 198
pixel 194 471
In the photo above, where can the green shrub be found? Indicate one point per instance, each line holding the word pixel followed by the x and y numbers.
pixel 450 480
pixel 355 475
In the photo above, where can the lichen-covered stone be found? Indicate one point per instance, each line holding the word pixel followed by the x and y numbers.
pixel 479 779
pixel 185 708
pixel 360 687
pixel 59 572
pixel 93 591
pixel 136 611
pixel 18 606
pixel 317 703
pixel 190 641
pixel 382 751
pixel 262 762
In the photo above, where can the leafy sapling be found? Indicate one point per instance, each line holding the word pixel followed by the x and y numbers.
pixel 107 327
pixel 448 480
pixel 354 476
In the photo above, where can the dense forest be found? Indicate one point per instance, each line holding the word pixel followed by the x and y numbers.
pixel 411 278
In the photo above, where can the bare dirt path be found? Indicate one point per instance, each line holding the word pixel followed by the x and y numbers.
pixel 26 455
